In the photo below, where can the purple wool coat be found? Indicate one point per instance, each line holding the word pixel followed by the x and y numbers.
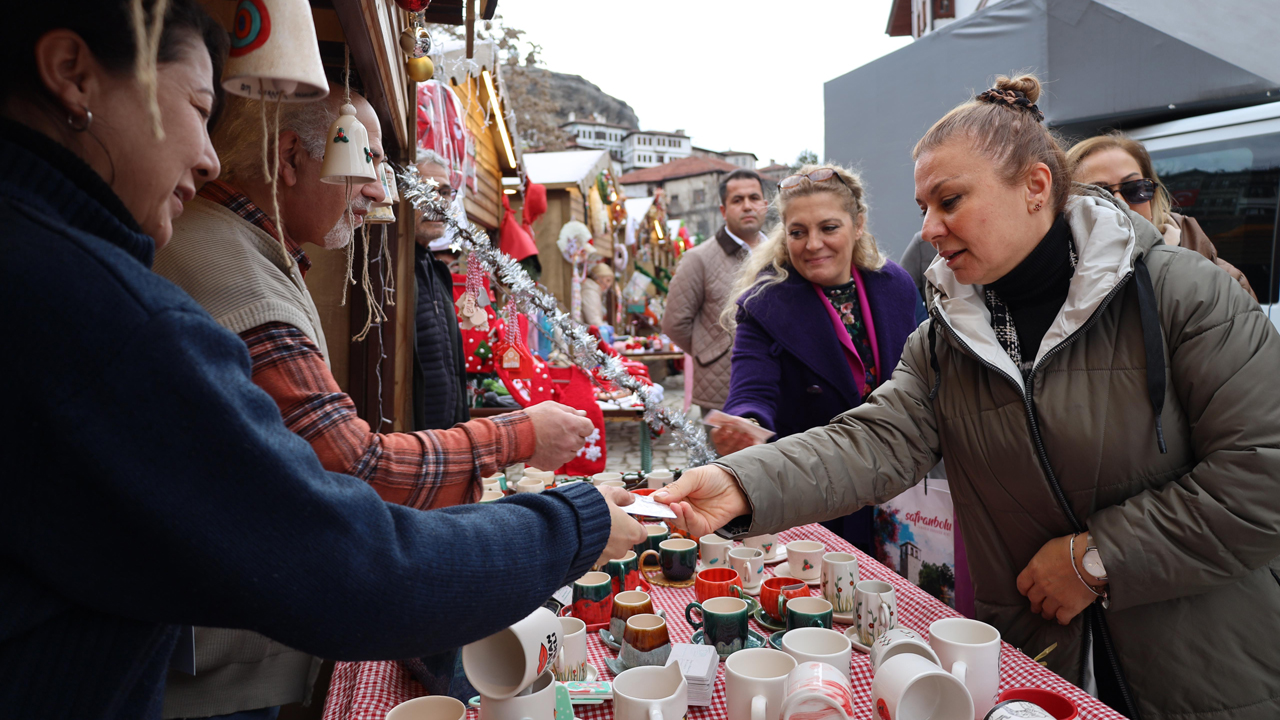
pixel 789 371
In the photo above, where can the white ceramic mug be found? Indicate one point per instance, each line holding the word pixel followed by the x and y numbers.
pixel 538 702
pixel 611 483
pixel 749 562
pixel 976 645
pixel 605 476
pixel 714 550
pixel 493 486
pixel 901 640
pixel 508 661
pixel 659 478
pixel 874 610
pixel 767 544
pixel 536 474
pixel 491 496
pixel 839 578
pixel 571 662
pixel 805 558
pixel 527 485
pixel 651 693
pixel 909 686
pixel 755 683
pixel 817 691
pixel 431 707
pixel 813 644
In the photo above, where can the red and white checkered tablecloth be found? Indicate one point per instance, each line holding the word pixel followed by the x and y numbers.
pixel 367 690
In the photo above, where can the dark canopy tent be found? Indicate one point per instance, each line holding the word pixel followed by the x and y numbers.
pixel 1105 63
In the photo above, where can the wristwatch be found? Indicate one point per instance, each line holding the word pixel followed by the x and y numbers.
pixel 1092 562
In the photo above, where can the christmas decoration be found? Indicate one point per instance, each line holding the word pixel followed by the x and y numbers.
pixel 413 6
pixel 525 375
pixel 274 52
pixel 420 69
pixel 572 338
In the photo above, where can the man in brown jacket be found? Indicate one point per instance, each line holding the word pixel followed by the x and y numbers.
pixel 702 284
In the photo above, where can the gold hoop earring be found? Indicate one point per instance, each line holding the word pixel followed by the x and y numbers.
pixel 82 125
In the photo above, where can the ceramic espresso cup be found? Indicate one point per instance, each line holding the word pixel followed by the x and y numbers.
pixel 755 683
pixel 531 485
pixel 593 598
pixel 839 578
pixel 571 662
pixel 548 476
pixel 431 707
pixel 626 605
pixel 773 591
pixel 717 582
pixel 807 612
pixel 813 644
pixel 612 483
pixel 805 558
pixel 976 645
pixel 767 544
pixel 656 535
pixel 901 640
pixel 874 610
pixel 817 691
pixel 749 564
pixel 676 558
pixel 508 661
pixel 491 496
pixel 645 641
pixel 650 693
pixel 603 476
pixel 625 572
pixel 537 702
pixel 714 550
pixel 659 478
pixel 723 623
pixel 906 683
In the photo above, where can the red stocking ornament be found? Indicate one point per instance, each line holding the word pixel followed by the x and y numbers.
pixel 524 375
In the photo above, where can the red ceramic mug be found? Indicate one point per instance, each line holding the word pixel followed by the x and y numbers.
pixel 717 582
pixel 773 589
pixel 1056 704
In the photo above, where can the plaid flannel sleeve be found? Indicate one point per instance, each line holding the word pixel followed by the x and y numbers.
pixel 427 469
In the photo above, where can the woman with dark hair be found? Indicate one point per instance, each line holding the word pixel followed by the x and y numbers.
pixel 1122 166
pixel 821 317
pixel 148 482
pixel 1111 424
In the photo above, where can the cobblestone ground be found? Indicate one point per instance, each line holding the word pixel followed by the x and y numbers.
pixel 622 439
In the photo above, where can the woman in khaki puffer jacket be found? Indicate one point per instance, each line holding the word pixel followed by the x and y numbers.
pixel 1144 421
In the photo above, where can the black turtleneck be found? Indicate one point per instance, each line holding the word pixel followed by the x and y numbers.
pixel 1035 290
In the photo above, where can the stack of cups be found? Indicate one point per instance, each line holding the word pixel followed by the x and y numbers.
pixel 957 670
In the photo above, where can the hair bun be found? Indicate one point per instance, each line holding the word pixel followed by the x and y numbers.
pixel 1028 85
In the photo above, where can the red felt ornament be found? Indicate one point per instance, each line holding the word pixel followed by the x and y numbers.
pixel 413 6
pixel 524 374
pixel 574 388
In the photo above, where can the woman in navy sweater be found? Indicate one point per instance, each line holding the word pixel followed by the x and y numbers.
pixel 822 318
pixel 148 483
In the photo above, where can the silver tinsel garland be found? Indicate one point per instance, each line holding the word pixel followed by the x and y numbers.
pixel 574 339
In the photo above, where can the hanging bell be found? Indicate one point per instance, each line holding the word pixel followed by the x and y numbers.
pixel 347 157
pixel 274 52
pixel 379 215
pixel 389 185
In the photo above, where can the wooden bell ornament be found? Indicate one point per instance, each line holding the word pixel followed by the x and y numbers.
pixel 347 158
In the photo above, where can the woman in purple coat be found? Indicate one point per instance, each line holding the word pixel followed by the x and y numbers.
pixel 822 318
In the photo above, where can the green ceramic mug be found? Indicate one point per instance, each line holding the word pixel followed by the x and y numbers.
pixel 807 612
pixel 677 558
pixel 657 533
pixel 724 622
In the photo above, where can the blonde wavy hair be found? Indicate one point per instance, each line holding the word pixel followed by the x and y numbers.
pixel 770 263
pixel 1161 203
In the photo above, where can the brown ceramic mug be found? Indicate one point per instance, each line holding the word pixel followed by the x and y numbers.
pixel 645 641
pixel 626 605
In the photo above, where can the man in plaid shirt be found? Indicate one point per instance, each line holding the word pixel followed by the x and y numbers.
pixel 227 253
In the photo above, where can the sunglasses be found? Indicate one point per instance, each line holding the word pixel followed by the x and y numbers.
pixel 816 176
pixel 1134 192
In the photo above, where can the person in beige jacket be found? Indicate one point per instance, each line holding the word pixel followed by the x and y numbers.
pixel 1116 479
pixel 702 284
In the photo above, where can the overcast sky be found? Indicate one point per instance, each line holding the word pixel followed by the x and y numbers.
pixel 733 74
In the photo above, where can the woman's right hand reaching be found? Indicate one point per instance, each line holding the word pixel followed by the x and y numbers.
pixel 704 499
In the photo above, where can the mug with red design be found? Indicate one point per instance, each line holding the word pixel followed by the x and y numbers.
pixel 874 610
pixel 507 661
pixel 805 559
pixel 775 591
pixel 593 598
pixel 817 691
pixel 905 683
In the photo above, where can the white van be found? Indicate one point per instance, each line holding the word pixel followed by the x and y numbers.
pixel 1223 169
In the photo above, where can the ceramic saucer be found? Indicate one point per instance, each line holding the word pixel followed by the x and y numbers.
pixel 779 554
pixel 852 634
pixel 775 640
pixel 843 618
pixel 767 622
pixel 754 640
pixel 754 590
pixel 784 570
pixel 616 666
pixel 606 637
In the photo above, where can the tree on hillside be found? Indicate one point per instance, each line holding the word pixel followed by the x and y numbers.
pixel 806 157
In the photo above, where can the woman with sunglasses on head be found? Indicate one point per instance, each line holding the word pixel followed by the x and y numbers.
pixel 148 483
pixel 821 318
pixel 1122 166
pixel 1110 418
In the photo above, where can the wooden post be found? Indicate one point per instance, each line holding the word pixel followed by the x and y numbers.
pixel 471 27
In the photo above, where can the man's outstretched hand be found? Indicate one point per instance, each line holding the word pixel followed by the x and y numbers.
pixel 704 499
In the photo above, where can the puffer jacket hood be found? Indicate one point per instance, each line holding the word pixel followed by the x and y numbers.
pixel 1189 535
